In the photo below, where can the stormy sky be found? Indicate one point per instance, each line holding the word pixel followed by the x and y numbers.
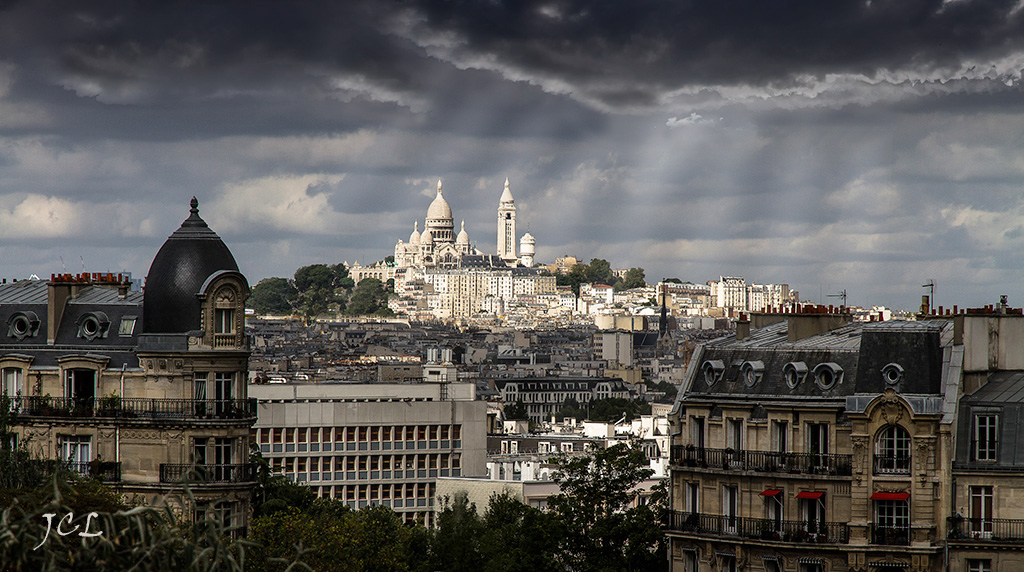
pixel 869 146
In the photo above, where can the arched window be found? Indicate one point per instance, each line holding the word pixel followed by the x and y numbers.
pixel 892 451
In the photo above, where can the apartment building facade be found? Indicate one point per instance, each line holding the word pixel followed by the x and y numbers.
pixel 144 391
pixel 809 443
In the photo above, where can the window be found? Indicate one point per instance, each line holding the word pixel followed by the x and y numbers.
pixel 979 565
pixel 697 431
pixel 223 390
pixel 985 437
pixel 812 511
pixel 690 561
pixel 773 508
pixel 981 511
pixel 780 436
pixel 892 451
pixel 127 326
pixel 693 498
pixel 77 451
pixel 892 522
pixel 728 563
pixel 10 380
pixel 80 384
pixel 817 444
pixel 730 508
pixel 566 447
pixel 224 321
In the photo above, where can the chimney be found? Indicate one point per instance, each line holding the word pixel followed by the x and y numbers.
pixel 743 328
pixel 925 306
pixel 59 290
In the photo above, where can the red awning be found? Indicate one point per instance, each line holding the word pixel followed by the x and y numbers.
pixel 890 496
pixel 808 495
pixel 770 492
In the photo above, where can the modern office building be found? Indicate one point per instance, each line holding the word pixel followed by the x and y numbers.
pixel 370 444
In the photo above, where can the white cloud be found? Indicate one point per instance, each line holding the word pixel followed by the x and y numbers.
pixel 692 119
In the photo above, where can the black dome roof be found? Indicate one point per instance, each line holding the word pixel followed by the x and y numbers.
pixel 188 257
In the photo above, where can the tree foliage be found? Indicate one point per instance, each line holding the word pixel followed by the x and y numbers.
pixel 634 279
pixel 516 411
pixel 604 529
pixel 273 296
pixel 456 543
pixel 519 538
pixel 369 298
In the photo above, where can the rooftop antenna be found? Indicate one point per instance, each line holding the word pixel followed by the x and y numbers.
pixel 931 290
pixel 62 265
pixel 83 263
pixel 841 294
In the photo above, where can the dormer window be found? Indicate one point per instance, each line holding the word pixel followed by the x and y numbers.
pixel 794 372
pixel 127 326
pixel 93 325
pixel 22 325
pixel 828 374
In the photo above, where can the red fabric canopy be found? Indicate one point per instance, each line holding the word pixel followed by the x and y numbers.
pixel 890 496
pixel 807 495
pixel 770 492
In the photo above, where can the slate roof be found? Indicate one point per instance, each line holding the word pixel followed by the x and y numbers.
pixel 855 353
pixel 1002 387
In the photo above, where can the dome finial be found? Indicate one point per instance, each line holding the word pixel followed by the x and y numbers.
pixel 506 182
pixel 439 186
pixel 195 205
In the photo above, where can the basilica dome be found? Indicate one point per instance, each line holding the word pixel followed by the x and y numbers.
pixel 439 208
pixel 187 258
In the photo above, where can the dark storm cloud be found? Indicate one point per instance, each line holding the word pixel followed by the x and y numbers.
pixel 666 44
pixel 875 142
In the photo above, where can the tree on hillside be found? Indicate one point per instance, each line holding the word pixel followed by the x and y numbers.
pixel 634 279
pixel 368 298
pixel 318 287
pixel 599 271
pixel 273 296
pixel 603 530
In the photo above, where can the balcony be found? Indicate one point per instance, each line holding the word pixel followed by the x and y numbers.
pixel 176 473
pixel 136 408
pixel 892 465
pixel 890 535
pixel 985 529
pixel 764 461
pixel 106 471
pixel 799 531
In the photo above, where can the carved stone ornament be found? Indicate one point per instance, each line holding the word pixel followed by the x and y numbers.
pixel 892 412
pixel 225 297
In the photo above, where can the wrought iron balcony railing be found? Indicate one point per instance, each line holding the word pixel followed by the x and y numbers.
pixel 985 529
pixel 803 531
pixel 106 471
pixel 890 535
pixel 175 473
pixel 892 464
pixel 766 461
pixel 135 408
